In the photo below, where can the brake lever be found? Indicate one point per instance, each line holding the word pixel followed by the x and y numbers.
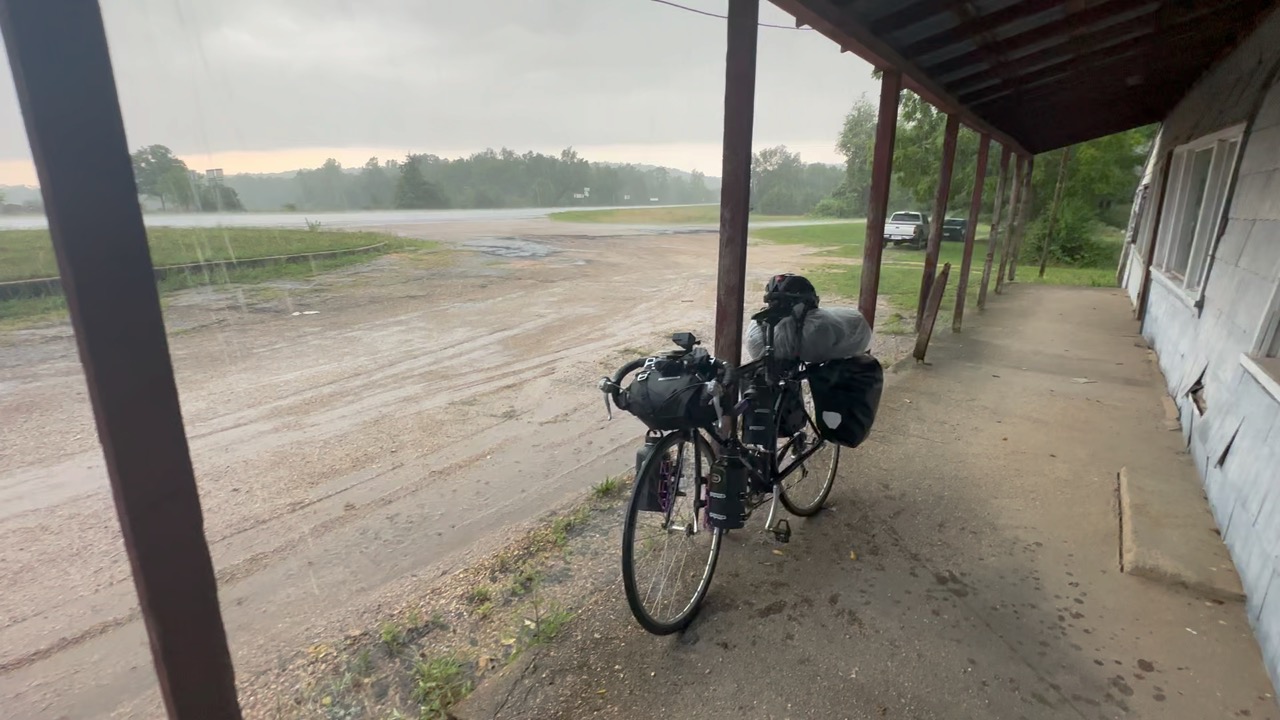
pixel 605 385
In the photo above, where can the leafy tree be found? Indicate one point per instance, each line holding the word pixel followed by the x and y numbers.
pixel 160 174
pixel 378 190
pixel 178 184
pixel 1101 183
pixel 490 178
pixel 215 197
pixel 413 189
pixel 1102 174
pixel 857 143
pixel 782 184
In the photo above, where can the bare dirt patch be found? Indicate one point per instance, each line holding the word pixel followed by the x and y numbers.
pixel 353 435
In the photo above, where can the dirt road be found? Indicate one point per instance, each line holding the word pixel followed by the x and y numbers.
pixel 373 425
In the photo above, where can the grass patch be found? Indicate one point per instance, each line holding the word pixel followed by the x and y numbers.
pixel 27 254
pixel 902 267
pixel 900 287
pixel 22 312
pixel 439 684
pixel 830 235
pixel 524 581
pixel 682 215
pixel 607 487
pixel 561 526
pixel 392 637
pixel 546 624
pixel 519 597
pixel 1086 277
pixel 896 324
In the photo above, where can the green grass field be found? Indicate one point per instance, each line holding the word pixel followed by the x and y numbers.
pixel 685 215
pixel 26 254
pixel 901 268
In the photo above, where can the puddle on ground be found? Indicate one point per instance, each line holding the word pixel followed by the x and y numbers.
pixel 511 247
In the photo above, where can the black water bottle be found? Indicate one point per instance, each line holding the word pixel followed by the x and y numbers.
pixel 649 498
pixel 727 491
pixel 758 422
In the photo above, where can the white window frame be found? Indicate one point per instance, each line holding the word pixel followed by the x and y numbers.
pixel 1263 361
pixel 1267 344
pixel 1190 281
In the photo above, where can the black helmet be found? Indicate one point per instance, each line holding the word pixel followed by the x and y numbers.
pixel 787 290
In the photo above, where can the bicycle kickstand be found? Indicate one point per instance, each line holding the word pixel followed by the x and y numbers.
pixel 780 528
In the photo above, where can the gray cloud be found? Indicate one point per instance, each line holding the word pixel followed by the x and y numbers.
pixel 214 76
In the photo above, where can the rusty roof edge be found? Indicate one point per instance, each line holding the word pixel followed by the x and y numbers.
pixel 859 41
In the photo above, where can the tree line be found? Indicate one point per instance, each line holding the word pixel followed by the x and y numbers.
pixel 1100 182
pixel 162 175
pixel 488 179
pixel 1099 187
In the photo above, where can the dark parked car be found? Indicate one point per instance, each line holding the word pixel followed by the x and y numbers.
pixel 953 229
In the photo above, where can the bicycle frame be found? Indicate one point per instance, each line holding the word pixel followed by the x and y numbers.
pixel 762 464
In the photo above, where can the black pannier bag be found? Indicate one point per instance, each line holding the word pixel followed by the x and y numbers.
pixel 791 412
pixel 846 395
pixel 668 395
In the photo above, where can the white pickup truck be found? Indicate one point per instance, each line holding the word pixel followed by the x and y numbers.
pixel 907 227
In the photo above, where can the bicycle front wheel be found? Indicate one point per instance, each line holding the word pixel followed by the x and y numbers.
pixel 668 551
pixel 807 464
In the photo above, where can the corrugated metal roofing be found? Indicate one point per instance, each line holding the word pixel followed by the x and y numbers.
pixel 1041 73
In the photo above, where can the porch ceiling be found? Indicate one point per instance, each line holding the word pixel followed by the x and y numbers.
pixel 1040 74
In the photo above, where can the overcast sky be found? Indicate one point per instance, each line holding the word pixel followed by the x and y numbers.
pixel 270 85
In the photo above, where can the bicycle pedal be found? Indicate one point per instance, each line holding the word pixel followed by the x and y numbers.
pixel 782 531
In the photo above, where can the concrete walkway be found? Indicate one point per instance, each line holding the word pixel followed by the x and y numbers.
pixel 983 519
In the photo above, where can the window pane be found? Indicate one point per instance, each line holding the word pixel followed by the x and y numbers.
pixel 1171 194
pixel 1211 214
pixel 1185 229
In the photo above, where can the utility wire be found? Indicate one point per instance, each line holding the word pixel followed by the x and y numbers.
pixel 725 17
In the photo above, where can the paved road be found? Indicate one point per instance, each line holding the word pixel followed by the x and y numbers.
pixel 373 219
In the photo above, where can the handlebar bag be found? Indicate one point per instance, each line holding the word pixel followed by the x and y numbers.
pixel 667 395
pixel 846 396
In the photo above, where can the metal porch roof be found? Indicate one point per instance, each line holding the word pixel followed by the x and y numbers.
pixel 1040 74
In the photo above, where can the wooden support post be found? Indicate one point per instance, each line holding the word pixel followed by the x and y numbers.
pixel 878 207
pixel 1010 225
pixel 931 313
pixel 65 87
pixel 1001 186
pixel 1053 211
pixel 1024 217
pixel 970 232
pixel 735 188
pixel 939 213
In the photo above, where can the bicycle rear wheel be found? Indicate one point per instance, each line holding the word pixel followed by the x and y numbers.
pixel 666 564
pixel 806 487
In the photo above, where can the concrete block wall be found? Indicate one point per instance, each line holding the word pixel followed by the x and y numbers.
pixel 1244 486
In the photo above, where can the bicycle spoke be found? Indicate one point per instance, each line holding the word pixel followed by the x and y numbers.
pixel 664 583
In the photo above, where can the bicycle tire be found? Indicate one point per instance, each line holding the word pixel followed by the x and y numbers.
pixel 795 505
pixel 636 599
